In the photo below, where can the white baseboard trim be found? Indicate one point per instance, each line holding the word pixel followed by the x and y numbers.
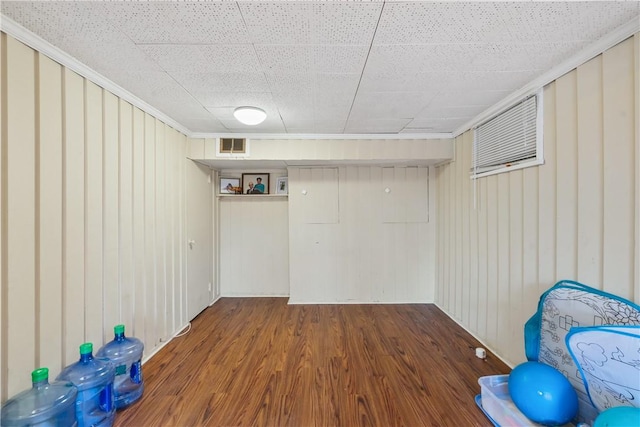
pixel 214 300
pixel 163 343
pixel 484 344
pixel 356 302
pixel 256 296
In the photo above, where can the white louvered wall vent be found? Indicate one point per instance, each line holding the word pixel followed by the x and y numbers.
pixel 511 140
pixel 232 147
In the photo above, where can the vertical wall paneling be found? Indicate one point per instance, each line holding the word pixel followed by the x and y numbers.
pixel 530 255
pixel 589 159
pixel 472 276
pixel 465 237
pixel 573 217
pixel 162 308
pixel 93 216
pixel 93 223
pixel 126 213
pixel 49 254
pixel 547 195
pixel 492 259
pixel 111 222
pixel 566 170
pixel 459 178
pixel 372 251
pixel 73 213
pixel 3 204
pixel 618 168
pixel 636 50
pixel 503 261
pixel 151 334
pixel 253 241
pixel 19 231
pixel 513 285
pixel 139 253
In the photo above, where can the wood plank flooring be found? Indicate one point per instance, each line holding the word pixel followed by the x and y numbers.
pixel 261 362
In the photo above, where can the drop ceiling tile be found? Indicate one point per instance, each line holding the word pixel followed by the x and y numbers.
pixel 408 59
pixel 339 59
pixel 179 22
pixel 439 112
pixel 294 82
pixel 344 23
pixel 404 81
pixel 197 83
pixel 467 98
pixel 232 100
pixel 343 83
pixel 277 22
pixel 396 105
pixel 376 125
pixel 432 23
pixel 291 59
pixel 268 126
pixel 331 23
pixel 300 59
pixel 564 21
pixel 203 58
pixel 436 125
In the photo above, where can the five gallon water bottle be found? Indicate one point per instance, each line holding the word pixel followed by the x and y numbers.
pixel 44 405
pixel 126 355
pixel 94 380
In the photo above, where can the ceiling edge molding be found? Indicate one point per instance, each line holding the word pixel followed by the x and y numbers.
pixel 608 41
pixel 36 42
pixel 330 136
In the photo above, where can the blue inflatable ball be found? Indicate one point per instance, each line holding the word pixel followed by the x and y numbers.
pixel 620 416
pixel 543 394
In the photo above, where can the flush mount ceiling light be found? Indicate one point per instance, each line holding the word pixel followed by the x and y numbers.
pixel 249 115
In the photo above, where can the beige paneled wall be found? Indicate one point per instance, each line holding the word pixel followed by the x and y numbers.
pixel 506 238
pixel 93 207
pixel 361 234
pixel 384 151
pixel 253 241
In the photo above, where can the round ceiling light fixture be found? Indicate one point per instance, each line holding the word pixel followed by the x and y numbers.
pixel 249 115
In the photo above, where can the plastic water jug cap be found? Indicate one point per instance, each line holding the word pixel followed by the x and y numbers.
pixel 86 348
pixel 39 375
pixel 118 329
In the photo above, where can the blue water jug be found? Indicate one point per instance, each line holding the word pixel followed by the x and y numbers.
pixel 126 355
pixel 94 380
pixel 43 405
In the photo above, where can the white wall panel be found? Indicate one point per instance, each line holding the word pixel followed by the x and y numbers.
pixel 138 170
pixel 573 217
pixel 254 246
pixel 589 158
pixel 19 246
pixel 94 332
pixel 372 252
pixel 619 122
pixel 49 270
pixel 86 242
pixel 125 206
pixel 111 220
pixel 73 214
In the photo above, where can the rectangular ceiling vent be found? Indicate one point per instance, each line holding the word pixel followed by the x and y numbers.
pixel 232 147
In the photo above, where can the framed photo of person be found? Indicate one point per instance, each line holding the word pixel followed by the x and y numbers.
pixel 255 183
pixel 282 185
pixel 230 186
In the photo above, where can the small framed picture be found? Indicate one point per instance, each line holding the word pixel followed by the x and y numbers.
pixel 230 186
pixel 255 183
pixel 282 186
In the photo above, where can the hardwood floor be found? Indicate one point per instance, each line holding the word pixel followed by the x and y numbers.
pixel 259 361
